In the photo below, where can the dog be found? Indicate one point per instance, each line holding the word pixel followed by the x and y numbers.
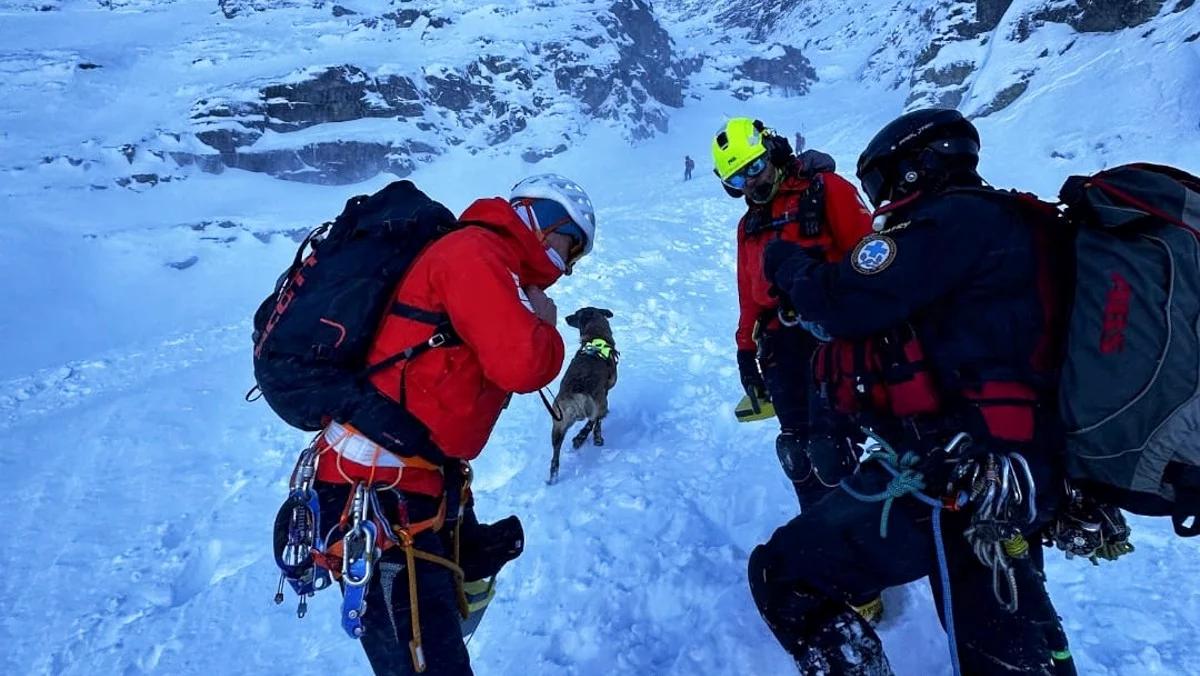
pixel 583 394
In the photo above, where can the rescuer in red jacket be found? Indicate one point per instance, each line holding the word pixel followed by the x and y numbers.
pixel 797 199
pixel 485 283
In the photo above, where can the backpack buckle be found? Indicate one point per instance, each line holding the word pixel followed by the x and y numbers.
pixel 437 340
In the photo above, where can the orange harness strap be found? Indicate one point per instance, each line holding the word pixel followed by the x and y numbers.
pixel 331 560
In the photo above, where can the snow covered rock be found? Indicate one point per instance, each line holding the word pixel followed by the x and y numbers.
pixel 233 8
pixel 790 72
pixel 555 66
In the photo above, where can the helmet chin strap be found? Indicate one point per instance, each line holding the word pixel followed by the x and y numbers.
pixel 765 192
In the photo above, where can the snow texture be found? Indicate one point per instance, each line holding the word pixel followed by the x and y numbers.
pixel 138 489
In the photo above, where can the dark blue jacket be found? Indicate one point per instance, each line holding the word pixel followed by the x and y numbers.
pixel 961 267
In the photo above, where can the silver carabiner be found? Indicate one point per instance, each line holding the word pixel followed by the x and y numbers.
pixel 1031 498
pixel 1005 470
pixel 350 555
pixel 958 440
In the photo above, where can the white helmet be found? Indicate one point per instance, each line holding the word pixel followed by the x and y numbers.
pixel 567 193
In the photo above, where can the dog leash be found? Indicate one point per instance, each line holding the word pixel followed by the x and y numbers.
pixel 555 414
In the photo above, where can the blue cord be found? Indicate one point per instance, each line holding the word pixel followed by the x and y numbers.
pixel 909 482
pixel 944 572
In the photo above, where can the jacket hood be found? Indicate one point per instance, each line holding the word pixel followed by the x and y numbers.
pixel 495 214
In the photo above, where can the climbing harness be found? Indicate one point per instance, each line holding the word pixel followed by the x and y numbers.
pixel 351 549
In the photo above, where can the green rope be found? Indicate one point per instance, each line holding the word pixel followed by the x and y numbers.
pixel 905 481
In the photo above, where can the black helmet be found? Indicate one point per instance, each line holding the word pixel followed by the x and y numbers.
pixel 915 150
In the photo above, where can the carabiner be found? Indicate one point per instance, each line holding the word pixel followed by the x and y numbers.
pixel 358 555
pixel 1032 490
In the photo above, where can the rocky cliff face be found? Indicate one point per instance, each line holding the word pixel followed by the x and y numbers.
pixel 608 60
pixel 965 33
pixel 389 84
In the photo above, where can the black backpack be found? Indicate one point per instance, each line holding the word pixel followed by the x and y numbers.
pixel 1130 385
pixel 313 332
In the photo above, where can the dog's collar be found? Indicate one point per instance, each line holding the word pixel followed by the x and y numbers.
pixel 600 347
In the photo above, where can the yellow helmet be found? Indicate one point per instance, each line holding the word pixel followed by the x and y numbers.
pixel 736 145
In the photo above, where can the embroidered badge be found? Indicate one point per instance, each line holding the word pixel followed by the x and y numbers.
pixel 873 254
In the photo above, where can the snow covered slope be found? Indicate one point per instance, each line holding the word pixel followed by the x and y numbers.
pixel 138 489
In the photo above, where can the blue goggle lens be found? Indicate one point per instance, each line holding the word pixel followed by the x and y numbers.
pixel 738 180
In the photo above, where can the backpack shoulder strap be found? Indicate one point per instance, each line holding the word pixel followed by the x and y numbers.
pixel 443 336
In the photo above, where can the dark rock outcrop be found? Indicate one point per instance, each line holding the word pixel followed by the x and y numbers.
pixel 632 84
pixel 1100 16
pixel 791 71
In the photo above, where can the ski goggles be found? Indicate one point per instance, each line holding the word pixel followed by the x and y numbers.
pixel 570 229
pixel 557 220
pixel 738 180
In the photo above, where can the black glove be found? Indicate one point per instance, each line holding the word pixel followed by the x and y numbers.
pixel 779 251
pixel 752 380
pixel 815 161
pixel 486 548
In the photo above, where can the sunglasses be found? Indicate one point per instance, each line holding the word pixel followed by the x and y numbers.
pixel 738 180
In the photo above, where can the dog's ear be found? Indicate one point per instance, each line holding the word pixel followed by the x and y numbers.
pixel 573 320
pixel 606 313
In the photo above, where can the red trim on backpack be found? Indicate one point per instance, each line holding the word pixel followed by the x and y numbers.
pixel 341 331
pixel 1133 201
pixel 1007 409
pixel 1115 315
pixel 1055 281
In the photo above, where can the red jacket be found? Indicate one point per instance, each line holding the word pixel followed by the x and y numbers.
pixel 846 220
pixel 475 275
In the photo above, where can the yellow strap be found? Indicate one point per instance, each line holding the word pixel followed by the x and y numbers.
pixel 414 646
pixel 411 554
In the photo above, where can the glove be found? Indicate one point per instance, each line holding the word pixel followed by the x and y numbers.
pixel 779 251
pixel 815 161
pixel 752 380
pixel 485 548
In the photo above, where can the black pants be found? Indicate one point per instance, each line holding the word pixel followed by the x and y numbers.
pixel 834 552
pixel 785 358
pixel 387 622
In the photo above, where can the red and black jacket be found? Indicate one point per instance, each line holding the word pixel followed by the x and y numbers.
pixel 474 276
pixel 841 220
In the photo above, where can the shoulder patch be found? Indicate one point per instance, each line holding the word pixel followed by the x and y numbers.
pixel 873 254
